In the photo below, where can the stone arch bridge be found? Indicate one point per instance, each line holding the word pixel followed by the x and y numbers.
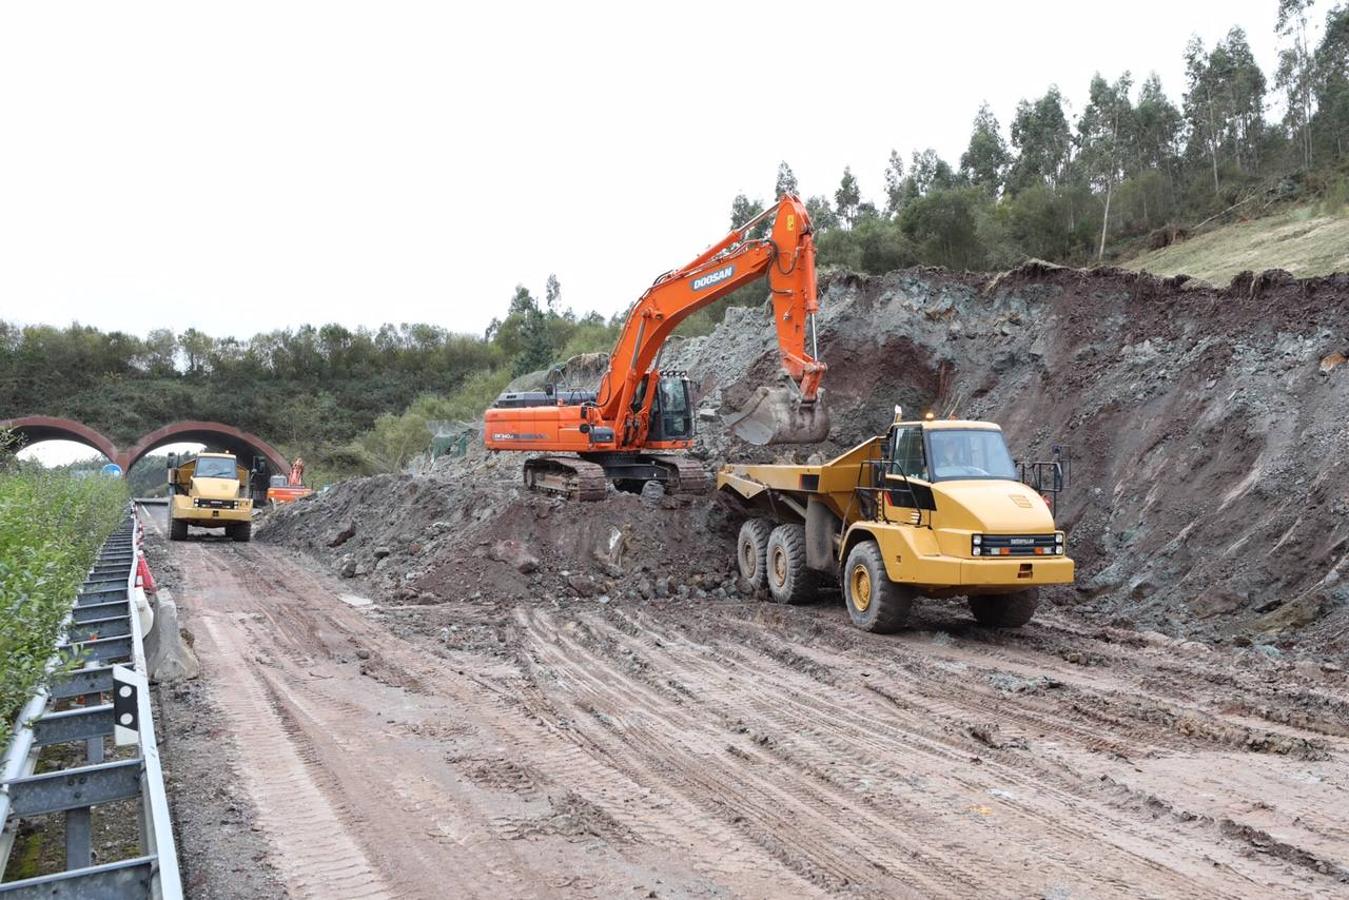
pixel 215 435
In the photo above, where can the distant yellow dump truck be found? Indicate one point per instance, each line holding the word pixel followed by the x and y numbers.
pixel 931 508
pixel 210 491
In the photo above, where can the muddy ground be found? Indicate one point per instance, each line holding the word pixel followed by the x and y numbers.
pixel 608 746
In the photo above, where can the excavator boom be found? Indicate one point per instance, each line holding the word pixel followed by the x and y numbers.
pixel 635 411
pixel 787 256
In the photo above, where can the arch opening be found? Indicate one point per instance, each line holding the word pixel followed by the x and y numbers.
pixel 58 453
pixel 213 436
pixel 58 435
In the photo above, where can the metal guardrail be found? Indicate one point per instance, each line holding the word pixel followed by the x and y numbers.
pixel 111 698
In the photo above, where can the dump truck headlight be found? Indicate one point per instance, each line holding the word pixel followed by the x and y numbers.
pixel 978 539
pixel 1059 550
pixel 1058 537
pixel 977 551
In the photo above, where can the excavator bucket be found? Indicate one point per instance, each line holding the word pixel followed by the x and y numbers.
pixel 777 416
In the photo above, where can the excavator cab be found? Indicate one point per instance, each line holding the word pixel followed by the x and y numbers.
pixel 671 409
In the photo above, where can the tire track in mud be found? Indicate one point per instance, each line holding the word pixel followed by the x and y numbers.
pixel 331 800
pixel 796 713
pixel 316 856
pixel 1074 787
pixel 1308 825
pixel 664 755
pixel 708 749
pixel 950 877
pixel 393 787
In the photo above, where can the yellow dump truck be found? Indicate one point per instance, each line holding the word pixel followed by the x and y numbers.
pixel 210 491
pixel 932 508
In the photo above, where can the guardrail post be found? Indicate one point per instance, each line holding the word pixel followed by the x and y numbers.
pixel 79 822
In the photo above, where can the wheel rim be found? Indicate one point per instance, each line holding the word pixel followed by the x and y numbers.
pixel 860 584
pixel 749 560
pixel 779 566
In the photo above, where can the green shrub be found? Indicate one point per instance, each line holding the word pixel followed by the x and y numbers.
pixel 51 526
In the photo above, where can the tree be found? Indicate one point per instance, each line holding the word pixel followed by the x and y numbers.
pixel 743 210
pixel 1224 104
pixel 928 172
pixel 1043 142
pixel 1331 119
pixel 536 348
pixel 985 161
pixel 847 197
pixel 894 184
pixel 552 293
pixel 1245 86
pixel 786 183
pixel 1202 105
pixel 1103 132
pixel 1156 130
pixel 1296 73
pixel 196 349
pixel 160 349
pixel 822 216
pixel 942 225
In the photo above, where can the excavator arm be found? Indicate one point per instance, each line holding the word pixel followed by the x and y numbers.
pixel 786 256
pixel 618 433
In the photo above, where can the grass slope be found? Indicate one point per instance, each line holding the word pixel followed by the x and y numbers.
pixel 1303 241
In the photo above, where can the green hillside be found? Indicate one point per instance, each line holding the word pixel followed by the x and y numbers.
pixel 1304 241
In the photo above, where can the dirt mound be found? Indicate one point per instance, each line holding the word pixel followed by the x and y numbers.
pixel 468 532
pixel 1210 481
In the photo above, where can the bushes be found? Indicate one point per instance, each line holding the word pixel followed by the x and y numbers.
pixel 51 526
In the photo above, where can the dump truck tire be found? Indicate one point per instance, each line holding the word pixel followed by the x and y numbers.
pixel 1005 610
pixel 789 580
pixel 177 530
pixel 242 533
pixel 875 603
pixel 751 552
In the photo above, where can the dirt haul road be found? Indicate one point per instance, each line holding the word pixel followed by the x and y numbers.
pixel 692 749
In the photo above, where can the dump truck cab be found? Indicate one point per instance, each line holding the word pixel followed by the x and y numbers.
pixel 210 490
pixel 933 508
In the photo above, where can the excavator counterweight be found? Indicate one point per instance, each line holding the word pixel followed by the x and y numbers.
pixel 630 429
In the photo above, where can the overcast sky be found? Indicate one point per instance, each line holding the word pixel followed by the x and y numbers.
pixel 246 166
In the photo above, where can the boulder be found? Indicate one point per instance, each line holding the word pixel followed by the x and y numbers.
pixel 583 585
pixel 516 555
pixel 342 535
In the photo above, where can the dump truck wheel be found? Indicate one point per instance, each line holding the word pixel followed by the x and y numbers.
pixel 789 581
pixel 1005 610
pixel 177 530
pixel 751 552
pixel 875 603
pixel 242 533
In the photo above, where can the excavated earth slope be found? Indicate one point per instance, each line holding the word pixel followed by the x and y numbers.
pixel 1208 431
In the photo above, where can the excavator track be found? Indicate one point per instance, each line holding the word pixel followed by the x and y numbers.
pixel 588 479
pixel 569 476
pixel 691 478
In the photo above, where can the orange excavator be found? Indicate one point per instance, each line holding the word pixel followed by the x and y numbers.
pixel 626 429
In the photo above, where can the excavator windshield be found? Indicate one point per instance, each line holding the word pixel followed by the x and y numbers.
pixel 671 417
pixel 959 453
